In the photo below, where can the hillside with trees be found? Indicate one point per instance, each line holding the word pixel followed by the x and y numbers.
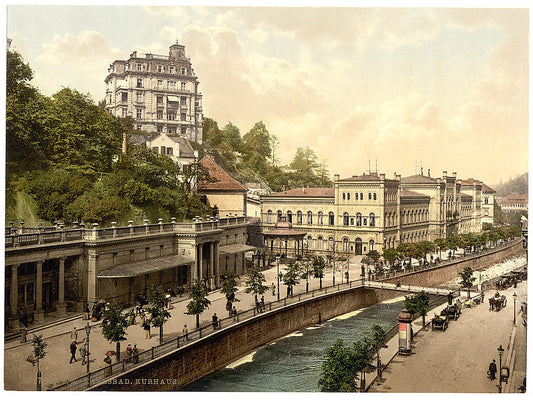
pixel 516 185
pixel 64 161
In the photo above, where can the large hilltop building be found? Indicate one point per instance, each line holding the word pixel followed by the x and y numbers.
pixel 370 212
pixel 159 92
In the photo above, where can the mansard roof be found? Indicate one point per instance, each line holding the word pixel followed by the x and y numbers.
pixel 223 181
pixel 418 179
pixel 410 194
pixel 305 192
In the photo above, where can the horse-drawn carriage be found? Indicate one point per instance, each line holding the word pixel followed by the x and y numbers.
pixel 439 322
pixel 452 311
pixel 497 302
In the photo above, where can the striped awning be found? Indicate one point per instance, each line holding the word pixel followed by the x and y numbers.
pixel 145 266
pixel 172 98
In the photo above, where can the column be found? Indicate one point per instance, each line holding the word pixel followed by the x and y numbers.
pixel 199 262
pixel 217 262
pixel 14 298
pixel 61 306
pixel 91 277
pixel 39 312
pixel 212 281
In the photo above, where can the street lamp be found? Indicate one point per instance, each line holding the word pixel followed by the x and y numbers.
pixel 500 353
pixel 88 333
pixel 277 268
pixel 514 308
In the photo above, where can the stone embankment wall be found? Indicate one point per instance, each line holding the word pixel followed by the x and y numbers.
pixel 189 363
pixel 445 273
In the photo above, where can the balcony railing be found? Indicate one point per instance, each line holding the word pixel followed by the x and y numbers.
pixel 21 236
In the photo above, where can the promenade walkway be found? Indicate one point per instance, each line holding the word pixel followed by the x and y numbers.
pixel 457 360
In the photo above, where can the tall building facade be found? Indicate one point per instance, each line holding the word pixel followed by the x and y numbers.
pixel 160 93
pixel 371 212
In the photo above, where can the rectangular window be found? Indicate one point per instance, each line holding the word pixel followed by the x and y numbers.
pixel 159 83
pixel 183 130
pixel 183 71
pixel 139 113
pixel 124 96
pixel 163 150
pixel 183 86
pixel 139 83
pixel 159 68
pixel 172 84
pixel 170 151
pixel 183 116
pixel 171 70
pixel 139 67
pixel 159 114
pixel 160 127
pixel 140 97
pixel 171 130
pixel 171 115
pixel 156 149
pixel 139 127
pixel 124 112
pixel 183 100
pixel 159 99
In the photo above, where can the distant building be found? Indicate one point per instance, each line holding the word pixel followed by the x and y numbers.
pixel 514 202
pixel 175 147
pixel 370 212
pixel 224 192
pixel 160 93
pixel 487 204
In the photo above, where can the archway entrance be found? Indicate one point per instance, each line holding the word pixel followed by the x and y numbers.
pixel 358 247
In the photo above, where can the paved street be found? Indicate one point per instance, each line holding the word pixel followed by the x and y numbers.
pixel 457 360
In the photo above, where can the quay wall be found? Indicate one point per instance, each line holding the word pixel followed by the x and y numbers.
pixel 191 362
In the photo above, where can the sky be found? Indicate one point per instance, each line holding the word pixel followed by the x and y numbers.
pixel 399 89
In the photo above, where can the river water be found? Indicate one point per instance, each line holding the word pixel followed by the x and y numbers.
pixel 292 364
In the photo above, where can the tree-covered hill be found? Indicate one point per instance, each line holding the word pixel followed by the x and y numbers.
pixel 516 185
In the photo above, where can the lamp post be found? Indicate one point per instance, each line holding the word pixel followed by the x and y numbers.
pixel 306 275
pixel 88 333
pixel 277 269
pixel 514 308
pixel 500 353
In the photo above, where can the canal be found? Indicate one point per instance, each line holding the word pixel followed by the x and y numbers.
pixel 292 364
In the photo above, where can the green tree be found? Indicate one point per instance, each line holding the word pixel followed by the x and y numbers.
pixel 318 268
pixel 427 247
pixel 363 352
pixel 338 370
pixel 391 255
pixel 467 279
pixel 254 283
pixel 373 255
pixel 442 244
pixel 114 326
pixel 378 342
pixel 38 353
pixel 199 301
pixel 418 303
pixel 158 309
pixel 229 289
pixel 292 276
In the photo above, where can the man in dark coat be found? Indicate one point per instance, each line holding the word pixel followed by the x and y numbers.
pixel 492 370
pixel 73 349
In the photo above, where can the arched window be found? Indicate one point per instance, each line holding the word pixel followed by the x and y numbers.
pixel 357 196
pixel 345 245
pixel 320 218
pixel 361 196
pixel 345 219
pixel 309 242
pixel 299 218
pixel 279 215
pixel 309 218
pixel 320 243
pixel 371 244
pixel 331 244
pixel 372 220
pixel 289 216
pixel 344 196
pixel 269 216
pixel 331 218
pixel 358 219
pixel 369 196
pixel 375 196
pixel 348 196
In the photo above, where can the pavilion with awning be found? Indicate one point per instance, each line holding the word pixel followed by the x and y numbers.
pixel 282 235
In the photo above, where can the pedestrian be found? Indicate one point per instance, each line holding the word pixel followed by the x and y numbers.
pixel 185 332
pixel 23 332
pixel 492 370
pixel 398 284
pixel 262 303
pixel 131 320
pixel 273 288
pixel 129 352
pixel 215 321
pixel 146 328
pixel 73 350
pixel 234 313
pixel 135 353
pixel 86 313
pixel 74 335
pixel 482 296
pixel 83 352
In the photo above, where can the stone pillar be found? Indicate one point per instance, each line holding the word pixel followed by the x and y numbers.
pixel 61 306
pixel 91 277
pixel 39 312
pixel 217 262
pixel 212 281
pixel 199 261
pixel 14 298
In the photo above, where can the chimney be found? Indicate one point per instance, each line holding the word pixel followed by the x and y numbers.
pixel 444 174
pixel 133 55
pixel 336 177
pixel 382 177
pixel 429 173
pixel 454 174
